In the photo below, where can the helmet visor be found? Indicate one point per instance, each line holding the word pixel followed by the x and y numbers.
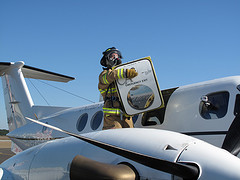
pixel 114 55
pixel 113 58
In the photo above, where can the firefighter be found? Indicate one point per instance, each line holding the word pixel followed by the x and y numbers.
pixel 113 114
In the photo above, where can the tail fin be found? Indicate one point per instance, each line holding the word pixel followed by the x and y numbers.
pixel 18 101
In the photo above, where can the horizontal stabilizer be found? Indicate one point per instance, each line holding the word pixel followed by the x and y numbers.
pixel 35 73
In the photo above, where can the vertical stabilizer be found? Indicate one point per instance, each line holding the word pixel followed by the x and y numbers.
pixel 18 101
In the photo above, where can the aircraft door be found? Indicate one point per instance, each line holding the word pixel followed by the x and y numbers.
pixel 142 93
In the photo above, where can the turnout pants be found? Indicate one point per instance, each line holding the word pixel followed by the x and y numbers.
pixel 115 122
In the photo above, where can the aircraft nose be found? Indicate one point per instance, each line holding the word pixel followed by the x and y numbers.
pixel 213 162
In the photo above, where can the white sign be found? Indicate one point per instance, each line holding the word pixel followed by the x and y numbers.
pixel 141 93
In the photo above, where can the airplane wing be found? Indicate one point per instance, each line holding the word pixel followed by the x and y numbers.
pixel 182 170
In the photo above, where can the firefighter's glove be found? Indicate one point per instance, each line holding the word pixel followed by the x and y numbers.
pixel 131 73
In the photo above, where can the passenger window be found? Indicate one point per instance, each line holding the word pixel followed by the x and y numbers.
pixel 82 121
pixel 214 105
pixel 96 120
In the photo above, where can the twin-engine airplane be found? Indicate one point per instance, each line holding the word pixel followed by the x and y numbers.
pixel 208 110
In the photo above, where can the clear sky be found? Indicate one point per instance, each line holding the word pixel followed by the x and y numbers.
pixel 189 41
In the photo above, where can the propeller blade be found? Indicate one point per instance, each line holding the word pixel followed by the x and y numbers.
pixel 181 170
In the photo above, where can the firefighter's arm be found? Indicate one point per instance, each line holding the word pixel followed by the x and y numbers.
pixel 110 75
pixel 126 73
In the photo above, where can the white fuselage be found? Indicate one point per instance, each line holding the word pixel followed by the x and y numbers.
pixel 182 114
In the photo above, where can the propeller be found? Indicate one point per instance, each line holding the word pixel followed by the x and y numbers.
pixel 232 140
pixel 186 171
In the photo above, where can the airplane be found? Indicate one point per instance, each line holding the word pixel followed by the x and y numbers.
pixel 138 153
pixel 206 110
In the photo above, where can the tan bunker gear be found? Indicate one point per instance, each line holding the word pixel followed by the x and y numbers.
pixel 113 115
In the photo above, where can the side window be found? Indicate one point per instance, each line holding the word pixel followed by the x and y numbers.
pixel 82 121
pixel 96 120
pixel 214 105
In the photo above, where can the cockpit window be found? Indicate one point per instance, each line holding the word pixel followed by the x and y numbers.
pixel 214 105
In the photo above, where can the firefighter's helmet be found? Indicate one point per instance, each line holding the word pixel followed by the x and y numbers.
pixel 111 57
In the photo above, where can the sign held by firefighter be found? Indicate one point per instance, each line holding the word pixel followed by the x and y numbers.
pixel 141 93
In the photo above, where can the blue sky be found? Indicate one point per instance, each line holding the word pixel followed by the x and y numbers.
pixel 188 40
